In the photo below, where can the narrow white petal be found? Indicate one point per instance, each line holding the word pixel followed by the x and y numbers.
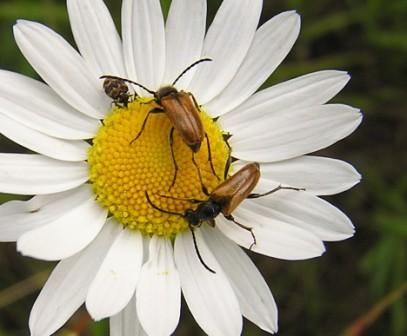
pixel 65 150
pixel 62 68
pixel 30 174
pixel 36 106
pixel 158 294
pixel 310 90
pixel 14 207
pixel 19 217
pixel 185 31
pixel 209 296
pixel 116 280
pixel 66 288
pixel 317 175
pixel 126 323
pixel 67 234
pixel 227 42
pixel 144 41
pixel 274 238
pixel 32 205
pixel 305 211
pixel 271 45
pixel 294 133
pixel 96 36
pixel 255 299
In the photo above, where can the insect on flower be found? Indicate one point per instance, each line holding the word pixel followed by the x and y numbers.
pixel 225 198
pixel 182 109
pixel 118 90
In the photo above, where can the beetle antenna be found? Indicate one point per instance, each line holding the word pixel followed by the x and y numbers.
pixel 129 81
pixel 198 253
pixel 190 67
pixel 192 200
pixel 159 209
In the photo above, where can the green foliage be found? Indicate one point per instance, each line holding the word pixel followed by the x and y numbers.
pixel 386 262
pixel 99 329
pixel 165 4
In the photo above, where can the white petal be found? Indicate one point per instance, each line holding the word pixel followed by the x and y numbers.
pixel 32 205
pixel 305 211
pixel 317 175
pixel 62 68
pixel 66 288
pixel 185 31
pixel 65 150
pixel 209 296
pixel 36 106
pixel 227 42
pixel 274 238
pixel 158 294
pixel 126 323
pixel 294 133
pixel 96 36
pixel 310 90
pixel 14 207
pixel 255 299
pixel 144 41
pixel 19 217
pixel 115 283
pixel 67 234
pixel 30 174
pixel 271 45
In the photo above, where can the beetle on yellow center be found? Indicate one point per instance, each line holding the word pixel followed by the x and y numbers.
pixel 183 112
pixel 225 198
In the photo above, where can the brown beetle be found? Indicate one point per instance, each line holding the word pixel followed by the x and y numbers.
pixel 183 111
pixel 225 198
pixel 118 90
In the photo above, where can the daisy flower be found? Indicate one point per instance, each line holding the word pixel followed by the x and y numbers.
pixel 89 176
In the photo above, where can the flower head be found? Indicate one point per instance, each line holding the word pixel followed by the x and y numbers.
pixel 115 179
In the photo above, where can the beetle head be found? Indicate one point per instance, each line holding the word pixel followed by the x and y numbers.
pixel 192 218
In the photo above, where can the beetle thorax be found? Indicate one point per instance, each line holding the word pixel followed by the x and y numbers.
pixel 165 91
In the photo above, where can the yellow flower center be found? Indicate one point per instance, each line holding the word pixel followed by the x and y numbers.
pixel 122 170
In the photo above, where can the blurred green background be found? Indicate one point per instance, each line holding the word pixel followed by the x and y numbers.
pixel 358 287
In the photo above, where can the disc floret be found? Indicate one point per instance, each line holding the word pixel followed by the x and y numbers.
pixel 122 170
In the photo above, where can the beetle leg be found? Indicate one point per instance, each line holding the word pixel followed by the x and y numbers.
pixel 210 156
pixel 227 166
pixel 194 100
pixel 231 218
pixel 198 253
pixel 154 110
pixel 229 160
pixel 126 99
pixel 203 187
pixel 272 191
pixel 173 158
